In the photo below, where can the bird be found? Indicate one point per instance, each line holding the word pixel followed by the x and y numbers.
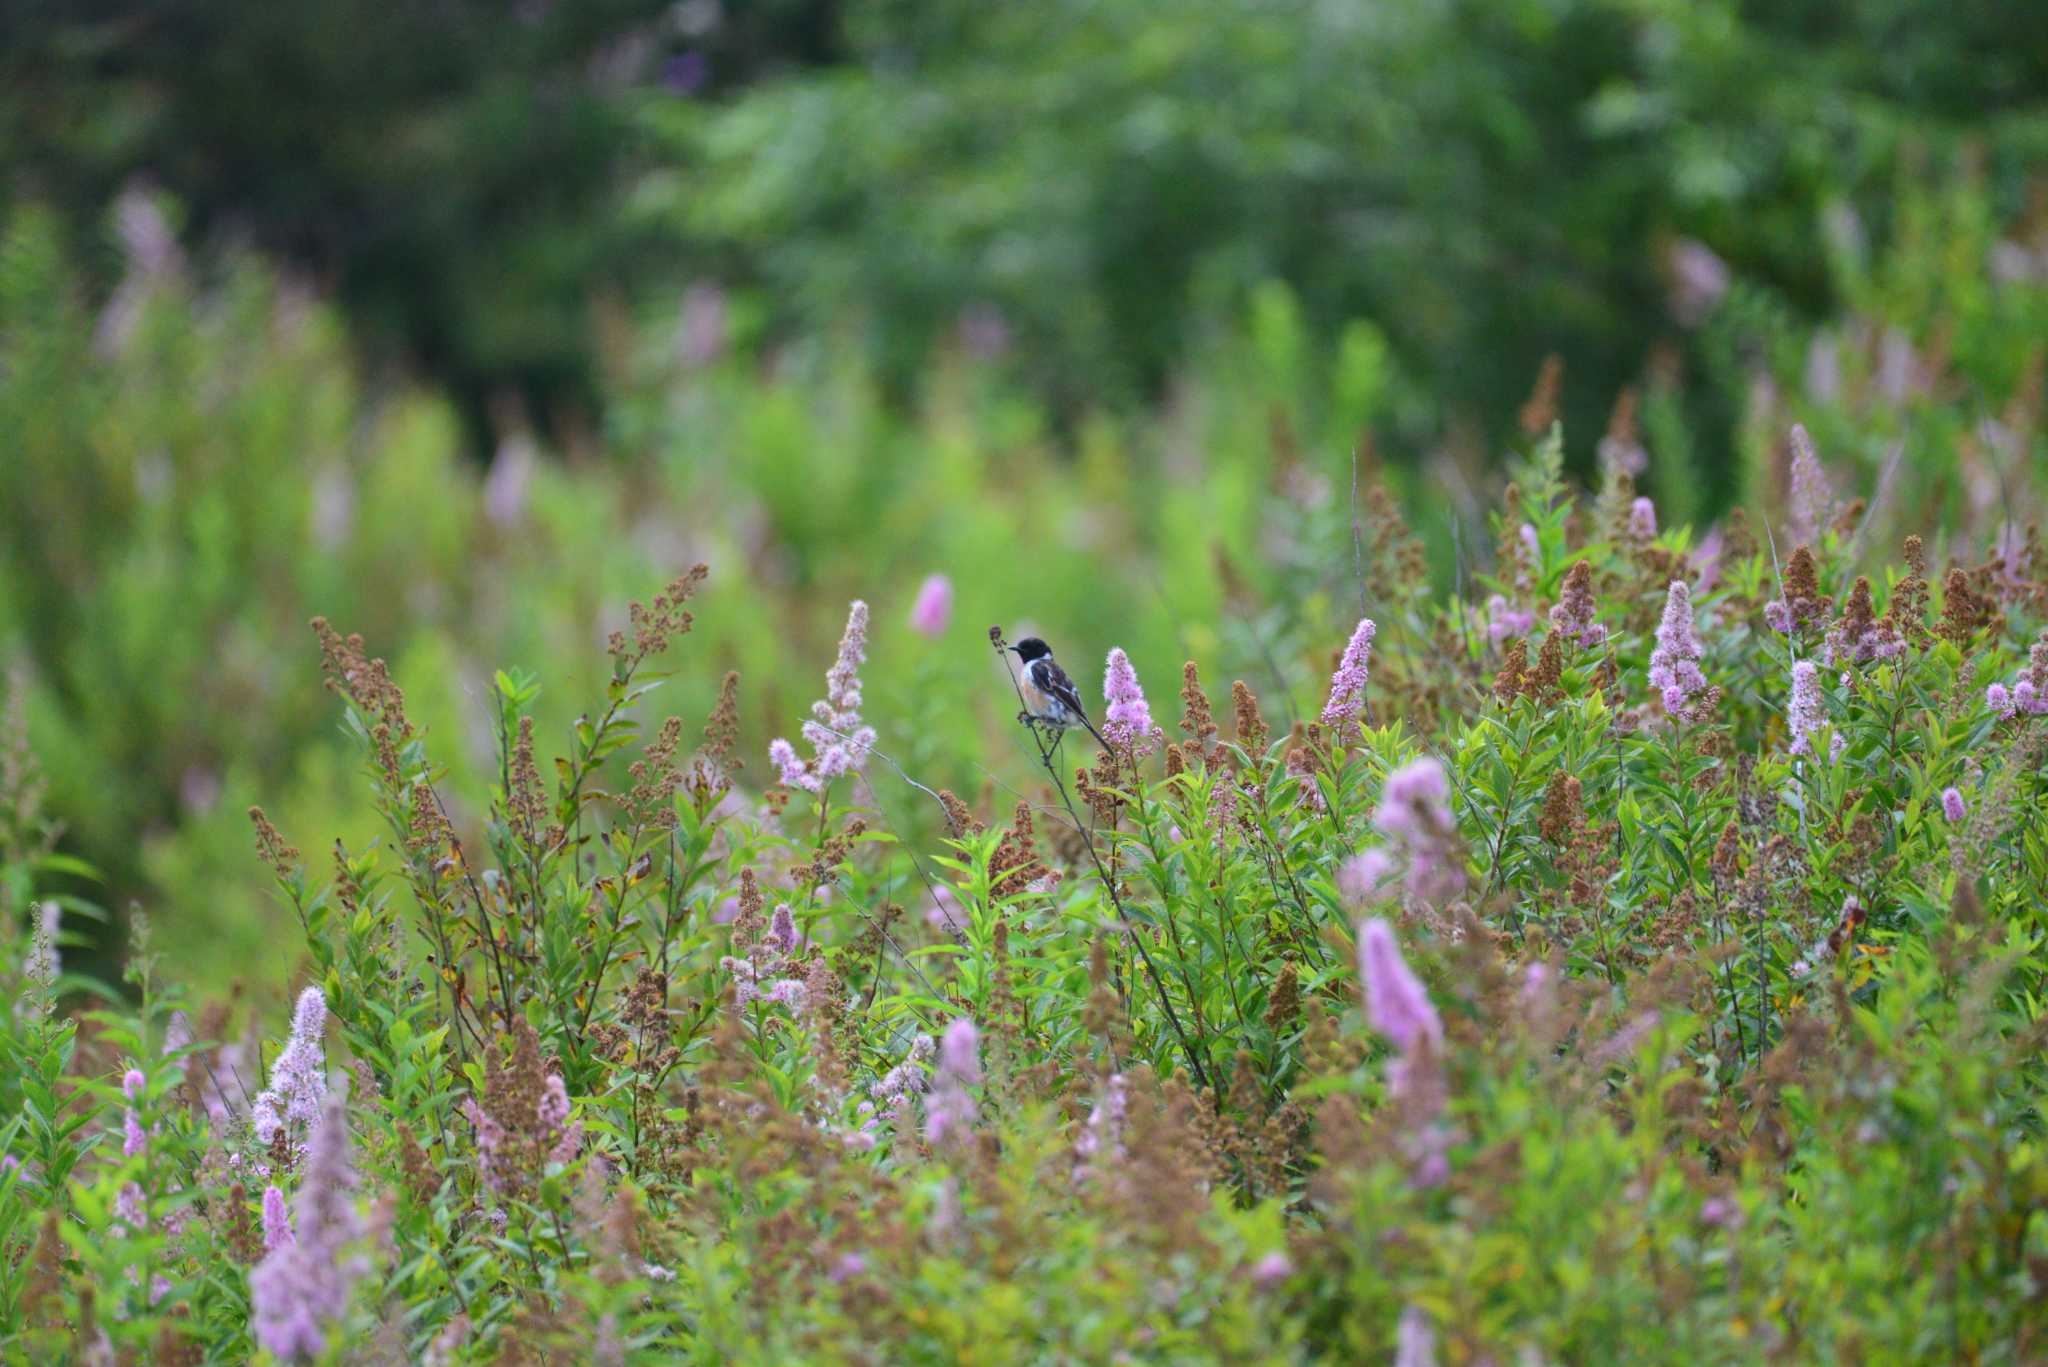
pixel 1050 698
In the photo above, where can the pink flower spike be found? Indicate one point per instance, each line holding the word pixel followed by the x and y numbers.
pixel 1414 1340
pixel 1347 686
pixel 1396 1002
pixel 1126 718
pixel 301 1289
pixel 1362 877
pixel 1642 520
pixel 950 1112
pixel 934 607
pixel 277 1223
pixel 298 1079
pixel 1805 713
pixel 839 741
pixel 1952 805
pixel 1674 664
pixel 960 1051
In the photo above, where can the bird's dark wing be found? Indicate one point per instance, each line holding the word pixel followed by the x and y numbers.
pixel 1054 683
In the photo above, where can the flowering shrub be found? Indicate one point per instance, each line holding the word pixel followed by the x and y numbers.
pixel 1550 994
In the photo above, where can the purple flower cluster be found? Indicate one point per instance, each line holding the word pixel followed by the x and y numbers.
pixel 277 1222
pixel 1504 620
pixel 1675 663
pixel 945 913
pixel 950 1112
pixel 133 1140
pixel 552 1132
pixel 1396 1003
pixel 1347 686
pixel 755 977
pixel 1572 614
pixel 1271 1270
pixel 1415 815
pixel 303 1284
pixel 2028 695
pixel 1952 805
pixel 934 607
pixel 839 742
pixel 298 1080
pixel 1363 877
pixel 1414 1339
pixel 897 1090
pixel 1809 504
pixel 1806 712
pixel 1642 520
pixel 1102 1135
pixel 1126 717
pixel 1398 1006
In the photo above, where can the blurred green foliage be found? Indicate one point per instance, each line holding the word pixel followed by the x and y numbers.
pixel 1106 182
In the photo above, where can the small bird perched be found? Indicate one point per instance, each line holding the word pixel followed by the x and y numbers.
pixel 1050 698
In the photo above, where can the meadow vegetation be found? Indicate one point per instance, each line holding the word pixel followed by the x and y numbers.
pixel 1535 911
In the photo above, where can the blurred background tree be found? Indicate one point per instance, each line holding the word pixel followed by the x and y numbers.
pixel 450 170
pixel 1098 182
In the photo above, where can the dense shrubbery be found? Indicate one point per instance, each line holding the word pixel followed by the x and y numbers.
pixel 1637 954
pixel 190 472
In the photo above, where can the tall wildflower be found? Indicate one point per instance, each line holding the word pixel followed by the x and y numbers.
pixel 277 1221
pixel 1809 503
pixel 133 1140
pixel 1362 878
pixel 1126 717
pixel 522 1120
pixel 1414 1339
pixel 1642 520
pixel 44 961
pixel 298 1080
pixel 1396 1002
pixel 1574 611
pixel 839 742
pixel 764 966
pixel 1675 663
pixel 1806 712
pixel 950 1112
pixel 1860 636
pixel 934 607
pixel 1101 1142
pixel 895 1091
pixel 1398 1006
pixel 1347 686
pixel 302 1286
pixel 131 1205
pixel 1503 619
pixel 40 966
pixel 1415 814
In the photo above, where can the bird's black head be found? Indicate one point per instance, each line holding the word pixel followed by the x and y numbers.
pixel 1031 648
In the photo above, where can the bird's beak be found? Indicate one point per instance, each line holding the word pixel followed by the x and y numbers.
pixel 1013 650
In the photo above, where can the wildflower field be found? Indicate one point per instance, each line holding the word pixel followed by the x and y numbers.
pixel 1540 907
